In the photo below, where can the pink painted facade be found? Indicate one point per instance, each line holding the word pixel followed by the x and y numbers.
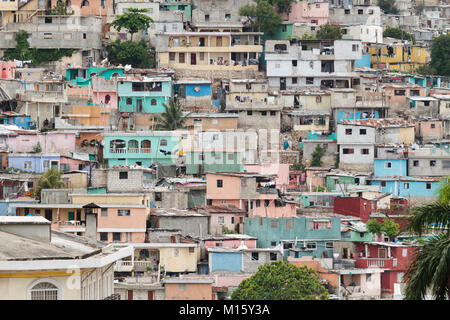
pixel 8 69
pixel 231 243
pixel 108 98
pixel 135 224
pixel 429 130
pixel 73 163
pixel 56 142
pixel 302 11
pixel 280 169
pixel 230 281
pixel 230 220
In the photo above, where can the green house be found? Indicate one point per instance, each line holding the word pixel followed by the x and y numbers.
pixel 199 162
pixel 83 76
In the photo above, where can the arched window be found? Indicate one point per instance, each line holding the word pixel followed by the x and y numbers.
pixel 85 3
pixel 107 98
pixel 153 102
pixel 44 291
pixel 146 146
pixel 117 146
pixel 129 101
pixel 115 74
pixel 133 146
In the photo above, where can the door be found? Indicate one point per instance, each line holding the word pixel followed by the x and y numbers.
pixel 139 105
pixel 48 214
pixel 71 216
pixel 382 253
pixel 219 41
pixel 150 295
pixel 282 83
pixel 130 294
pixel 193 58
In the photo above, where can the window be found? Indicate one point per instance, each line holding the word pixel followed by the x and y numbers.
pixel 191 249
pixel 172 56
pixel 44 291
pixel 153 102
pixel 221 219
pixel 274 113
pixel 309 80
pixel 329 245
pixel 404 252
pixel 46 163
pixel 27 165
pixel 416 163
pixel 273 243
pixel 360 11
pixel 129 101
pixel 217 156
pixel 182 286
pixel 432 163
pixel 181 58
pixel 428 186
pixel 255 255
pixel 432 126
pixel 383 183
pixel 117 236
pixel 123 212
pixel 283 28
pixel 388 164
pixel 399 92
pixel 206 17
pixel 103 236
pixel 348 132
pixel 230 156
pixel 365 151
pixel 123 175
pixel 264 113
pixel 163 143
pixel 202 56
pixel 219 183
pixel 273 256
pixel 274 223
pixel 249 112
pixel 289 225
pixel 158 196
pixel 426 103
pixel 311 245
pixel 104 212
pixel 368 277
pixel 348 151
pixel 347 11
pixel 406 185
pixel 176 252
pixel 362 131
pixel 84 36
pixel 258 203
pixel 294 63
pixel 227 15
pixel 85 3
pixel 370 11
pixel 294 80
pixel 201 156
pixel 355 47
pixel 266 203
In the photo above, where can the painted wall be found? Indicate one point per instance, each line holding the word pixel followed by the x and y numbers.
pixel 37 162
pixel 192 291
pixel 398 167
pixel 229 261
pixel 178 259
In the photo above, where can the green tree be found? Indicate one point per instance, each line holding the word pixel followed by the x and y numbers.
pixel 440 54
pixel 262 16
pixel 390 228
pixel 172 118
pixel 398 34
pixel 388 6
pixel 374 226
pixel 307 36
pixel 329 32
pixel 50 179
pixel 430 268
pixel 282 5
pixel 138 54
pixel 133 20
pixel 317 156
pixel 37 148
pixel 22 51
pixel 426 70
pixel 281 280
pixel 59 10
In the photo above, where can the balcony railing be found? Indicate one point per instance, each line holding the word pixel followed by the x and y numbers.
pixel 376 263
pixel 146 150
pixel 139 266
pixel 133 150
pixel 117 150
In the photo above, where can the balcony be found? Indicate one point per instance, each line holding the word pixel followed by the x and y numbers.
pixel 69 226
pixel 117 150
pixel 133 150
pixel 267 190
pixel 385 263
pixel 146 150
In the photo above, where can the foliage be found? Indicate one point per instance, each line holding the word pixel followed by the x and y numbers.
pixel 317 155
pixel 225 230
pixel 419 8
pixel 262 16
pixel 440 54
pixel 390 228
pixel 336 161
pixel 398 34
pixel 388 6
pixel 374 226
pixel 59 10
pixel 282 5
pixel 50 179
pixel 281 280
pixel 23 52
pixel 430 268
pixel 172 118
pixel 426 70
pixel 132 20
pixel 307 36
pixel 37 148
pixel 137 54
pixel 329 32
pixel 298 166
pixel 319 189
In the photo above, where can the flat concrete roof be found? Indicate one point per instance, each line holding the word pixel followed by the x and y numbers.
pixel 23 220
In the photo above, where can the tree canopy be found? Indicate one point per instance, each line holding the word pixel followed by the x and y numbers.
pixel 389 227
pixel 388 6
pixel 138 54
pixel 440 55
pixel 398 34
pixel 283 6
pixel 329 32
pixel 317 156
pixel 133 20
pixel 50 179
pixel 281 280
pixel 262 16
pixel 172 118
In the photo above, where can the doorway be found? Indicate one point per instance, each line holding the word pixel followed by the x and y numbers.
pixel 193 58
pixel 139 105
pixel 48 214
pixel 282 83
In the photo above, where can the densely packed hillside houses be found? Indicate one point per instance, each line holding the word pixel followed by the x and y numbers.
pixel 172 149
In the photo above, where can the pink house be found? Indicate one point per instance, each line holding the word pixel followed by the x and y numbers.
pixel 105 96
pixel 302 11
pixel 71 164
pixel 279 169
pixel 228 241
pixel 255 193
pixel 8 69
pixel 24 141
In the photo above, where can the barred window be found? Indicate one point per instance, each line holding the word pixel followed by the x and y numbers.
pixel 44 291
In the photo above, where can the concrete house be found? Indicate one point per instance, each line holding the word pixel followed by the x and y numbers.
pixel 311 63
pixel 212 121
pixel 225 216
pixel 326 141
pixel 429 130
pixel 428 162
pixel 189 222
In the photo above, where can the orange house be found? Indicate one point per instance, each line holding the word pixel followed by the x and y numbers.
pixel 189 289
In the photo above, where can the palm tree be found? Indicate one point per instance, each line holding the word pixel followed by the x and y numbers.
pixel 50 179
pixel 172 118
pixel 430 269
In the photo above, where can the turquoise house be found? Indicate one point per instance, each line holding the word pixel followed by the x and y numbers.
pixel 177 6
pixel 200 162
pixel 146 95
pixel 83 76
pixel 307 236
pixel 143 148
pixel 390 167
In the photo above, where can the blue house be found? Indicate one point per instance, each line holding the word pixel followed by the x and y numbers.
pixel 20 120
pixel 363 62
pixel 193 89
pixel 408 186
pixel 306 235
pixel 390 167
pixel 34 162
pixel 142 94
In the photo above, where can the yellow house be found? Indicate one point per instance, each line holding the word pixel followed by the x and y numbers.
pixel 210 51
pixel 398 57
pixel 13 11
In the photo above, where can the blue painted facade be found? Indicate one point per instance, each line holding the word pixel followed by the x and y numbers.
pixel 225 261
pixel 147 96
pixel 20 121
pixel 364 62
pixel 194 90
pixel 411 189
pixel 7 210
pixel 345 115
pixel 270 231
pixel 72 74
pixel 426 82
pixel 398 167
pixel 33 162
